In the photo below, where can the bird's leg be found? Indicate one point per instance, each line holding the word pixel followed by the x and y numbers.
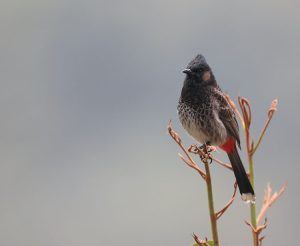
pixel 209 148
pixel 204 146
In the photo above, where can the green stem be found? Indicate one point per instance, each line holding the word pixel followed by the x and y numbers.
pixel 253 205
pixel 261 136
pixel 213 217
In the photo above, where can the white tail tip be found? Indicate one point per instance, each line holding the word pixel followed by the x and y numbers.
pixel 248 198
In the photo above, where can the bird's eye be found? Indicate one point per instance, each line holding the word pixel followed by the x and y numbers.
pixel 197 70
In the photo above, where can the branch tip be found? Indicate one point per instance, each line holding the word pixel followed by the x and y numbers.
pixel 199 241
pixel 269 200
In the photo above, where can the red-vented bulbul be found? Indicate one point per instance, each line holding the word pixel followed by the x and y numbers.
pixel 207 116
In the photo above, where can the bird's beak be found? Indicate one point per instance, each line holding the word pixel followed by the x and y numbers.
pixel 187 71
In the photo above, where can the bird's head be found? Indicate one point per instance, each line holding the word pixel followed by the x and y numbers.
pixel 198 71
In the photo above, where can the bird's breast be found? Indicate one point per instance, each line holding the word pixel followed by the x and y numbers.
pixel 202 123
pixel 193 122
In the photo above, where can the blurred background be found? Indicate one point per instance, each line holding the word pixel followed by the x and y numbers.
pixel 86 91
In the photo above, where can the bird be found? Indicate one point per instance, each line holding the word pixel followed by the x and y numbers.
pixel 207 116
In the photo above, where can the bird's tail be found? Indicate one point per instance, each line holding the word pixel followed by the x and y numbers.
pixel 241 176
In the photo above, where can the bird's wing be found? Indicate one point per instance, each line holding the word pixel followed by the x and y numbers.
pixel 227 116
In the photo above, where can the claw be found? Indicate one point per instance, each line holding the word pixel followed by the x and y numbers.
pixel 206 158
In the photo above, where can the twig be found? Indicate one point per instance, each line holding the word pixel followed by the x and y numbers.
pixel 269 199
pixel 222 211
pixel 247 115
pixel 232 104
pixel 271 112
pixel 199 241
pixel 190 161
pixel 222 163
pixel 193 165
pixel 257 231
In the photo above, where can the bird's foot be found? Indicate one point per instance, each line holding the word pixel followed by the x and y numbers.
pixel 203 151
pixel 206 152
pixel 207 147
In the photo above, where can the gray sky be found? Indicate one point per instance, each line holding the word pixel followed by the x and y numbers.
pixel 86 91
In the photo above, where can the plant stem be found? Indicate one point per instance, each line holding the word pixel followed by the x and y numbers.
pixel 213 217
pixel 253 205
